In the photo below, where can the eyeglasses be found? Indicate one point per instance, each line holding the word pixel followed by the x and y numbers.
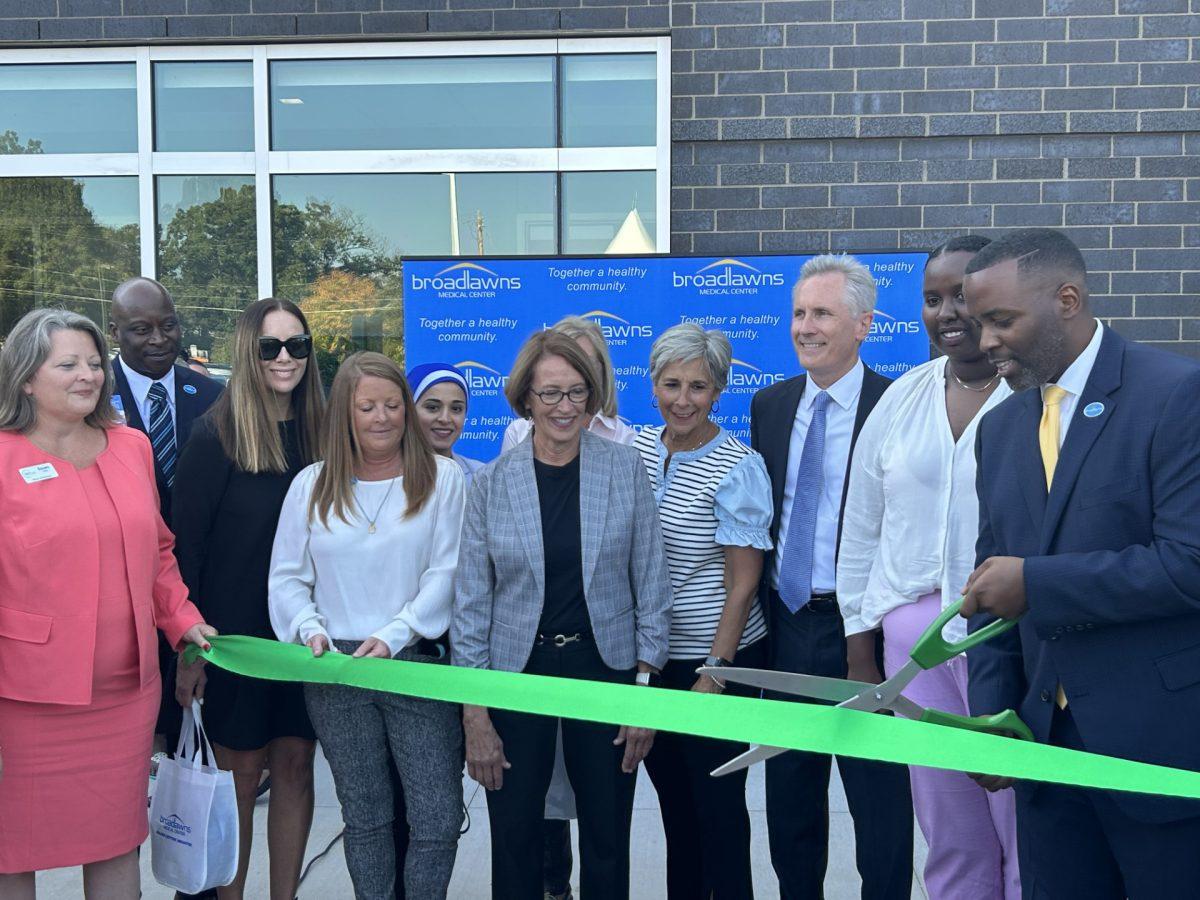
pixel 553 396
pixel 299 346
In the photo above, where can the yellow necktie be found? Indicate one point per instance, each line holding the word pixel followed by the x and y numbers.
pixel 1050 428
pixel 1048 432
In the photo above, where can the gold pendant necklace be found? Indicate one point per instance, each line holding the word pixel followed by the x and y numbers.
pixel 371 521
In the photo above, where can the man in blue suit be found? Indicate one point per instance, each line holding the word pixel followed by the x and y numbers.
pixel 156 395
pixel 1089 500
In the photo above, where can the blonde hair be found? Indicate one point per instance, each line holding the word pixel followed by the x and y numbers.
pixel 246 427
pixel 549 343
pixel 334 487
pixel 26 350
pixel 577 328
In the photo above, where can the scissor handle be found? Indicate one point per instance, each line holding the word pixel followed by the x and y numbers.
pixel 1007 723
pixel 931 649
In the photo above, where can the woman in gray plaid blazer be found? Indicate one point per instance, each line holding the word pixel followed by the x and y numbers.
pixel 561 572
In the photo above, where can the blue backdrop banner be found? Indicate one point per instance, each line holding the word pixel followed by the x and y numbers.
pixel 476 313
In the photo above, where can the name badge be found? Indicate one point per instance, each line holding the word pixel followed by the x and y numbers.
pixel 189 389
pixel 40 472
pixel 1093 409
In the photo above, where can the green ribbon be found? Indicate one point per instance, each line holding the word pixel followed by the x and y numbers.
pixel 797 726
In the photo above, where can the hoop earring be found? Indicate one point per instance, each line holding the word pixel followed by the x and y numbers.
pixel 654 402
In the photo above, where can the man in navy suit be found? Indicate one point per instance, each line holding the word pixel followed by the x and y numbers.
pixel 805 428
pixel 143 324
pixel 1089 501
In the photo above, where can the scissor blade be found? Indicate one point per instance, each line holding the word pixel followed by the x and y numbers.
pixel 883 696
pixel 816 686
pixel 756 753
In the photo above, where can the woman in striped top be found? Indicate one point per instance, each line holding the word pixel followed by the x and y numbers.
pixel 714 500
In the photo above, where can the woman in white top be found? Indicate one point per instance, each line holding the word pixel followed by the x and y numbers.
pixel 605 423
pixel 363 563
pixel 440 392
pixel 714 502
pixel 908 545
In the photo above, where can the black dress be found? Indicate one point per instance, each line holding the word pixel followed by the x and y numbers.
pixel 224 521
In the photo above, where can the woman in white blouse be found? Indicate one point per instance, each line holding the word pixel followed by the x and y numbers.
pixel 908 545
pixel 714 501
pixel 363 563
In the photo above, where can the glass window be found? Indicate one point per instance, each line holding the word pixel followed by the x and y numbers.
pixel 407 104
pixel 203 106
pixel 338 240
pixel 505 213
pixel 65 242
pixel 207 255
pixel 608 212
pixel 72 108
pixel 608 101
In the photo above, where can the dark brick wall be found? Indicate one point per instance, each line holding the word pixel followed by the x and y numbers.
pixel 124 20
pixel 802 125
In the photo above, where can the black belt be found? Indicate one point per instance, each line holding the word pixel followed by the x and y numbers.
pixel 435 647
pixel 561 640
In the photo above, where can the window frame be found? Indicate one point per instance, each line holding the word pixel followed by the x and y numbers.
pixel 262 163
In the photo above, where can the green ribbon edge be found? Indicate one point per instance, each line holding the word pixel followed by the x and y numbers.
pixel 797 726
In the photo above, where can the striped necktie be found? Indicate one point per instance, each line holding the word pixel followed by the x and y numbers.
pixel 162 432
pixel 795 572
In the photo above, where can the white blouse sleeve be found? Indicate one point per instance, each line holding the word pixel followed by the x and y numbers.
pixel 516 432
pixel 862 522
pixel 294 614
pixel 428 613
pixel 742 505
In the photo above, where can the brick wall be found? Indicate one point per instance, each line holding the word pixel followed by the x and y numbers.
pixel 802 125
pixel 187 20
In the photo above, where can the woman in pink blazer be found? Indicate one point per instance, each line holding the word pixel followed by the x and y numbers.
pixel 86 575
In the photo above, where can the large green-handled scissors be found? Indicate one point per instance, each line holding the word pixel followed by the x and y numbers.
pixel 930 650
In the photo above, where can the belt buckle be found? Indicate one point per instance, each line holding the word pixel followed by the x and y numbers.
pixel 561 640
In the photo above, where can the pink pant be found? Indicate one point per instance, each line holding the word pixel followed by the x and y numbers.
pixel 972 834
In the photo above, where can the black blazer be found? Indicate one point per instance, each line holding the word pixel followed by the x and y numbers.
pixel 772 414
pixel 1112 565
pixel 189 406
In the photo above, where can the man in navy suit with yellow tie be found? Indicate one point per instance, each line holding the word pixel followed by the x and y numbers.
pixel 1089 500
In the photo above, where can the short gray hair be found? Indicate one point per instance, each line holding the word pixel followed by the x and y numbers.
pixel 23 353
pixel 860 284
pixel 683 343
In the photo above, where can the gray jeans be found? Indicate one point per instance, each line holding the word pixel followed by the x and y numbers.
pixel 357 729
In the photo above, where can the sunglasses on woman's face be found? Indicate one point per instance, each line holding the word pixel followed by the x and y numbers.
pixel 299 346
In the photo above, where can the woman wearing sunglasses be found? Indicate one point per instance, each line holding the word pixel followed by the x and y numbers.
pixel 230 483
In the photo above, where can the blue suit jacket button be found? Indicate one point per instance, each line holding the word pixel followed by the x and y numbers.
pixel 1045 696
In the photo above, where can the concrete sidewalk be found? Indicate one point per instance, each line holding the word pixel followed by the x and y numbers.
pixel 327 878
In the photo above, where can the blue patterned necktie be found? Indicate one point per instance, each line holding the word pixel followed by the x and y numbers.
pixel 162 432
pixel 795 574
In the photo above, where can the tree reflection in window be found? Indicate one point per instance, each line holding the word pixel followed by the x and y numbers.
pixel 65 242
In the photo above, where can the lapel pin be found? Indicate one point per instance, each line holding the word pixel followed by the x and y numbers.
pixel 191 389
pixel 1093 409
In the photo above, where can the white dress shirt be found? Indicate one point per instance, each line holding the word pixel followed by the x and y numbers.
pixel 139 386
pixel 608 427
pixel 340 581
pixel 839 429
pixel 912 515
pixel 1074 380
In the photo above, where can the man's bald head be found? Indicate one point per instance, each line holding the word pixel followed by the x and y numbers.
pixel 143 323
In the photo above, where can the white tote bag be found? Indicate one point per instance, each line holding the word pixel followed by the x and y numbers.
pixel 193 817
